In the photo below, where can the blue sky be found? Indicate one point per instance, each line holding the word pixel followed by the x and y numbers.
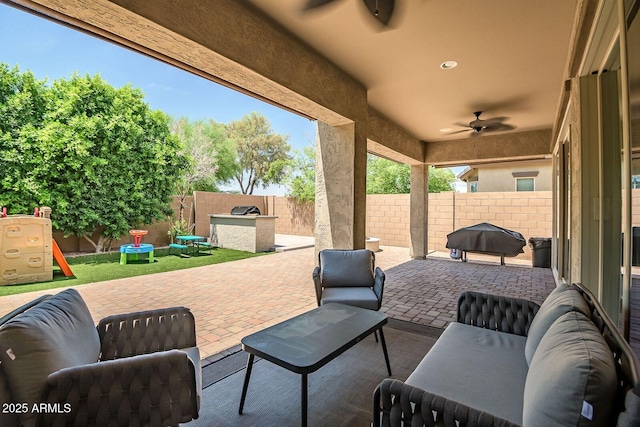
pixel 53 51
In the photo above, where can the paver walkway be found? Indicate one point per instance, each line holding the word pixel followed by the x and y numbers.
pixel 234 299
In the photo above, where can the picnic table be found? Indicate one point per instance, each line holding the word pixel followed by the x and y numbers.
pixel 185 243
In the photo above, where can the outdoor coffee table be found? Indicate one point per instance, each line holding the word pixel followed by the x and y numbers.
pixel 309 341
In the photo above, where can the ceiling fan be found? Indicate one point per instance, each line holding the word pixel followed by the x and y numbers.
pixel 478 125
pixel 382 10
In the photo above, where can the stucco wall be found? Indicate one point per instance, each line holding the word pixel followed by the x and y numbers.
pixel 500 177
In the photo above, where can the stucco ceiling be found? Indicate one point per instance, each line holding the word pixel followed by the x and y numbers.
pixel 512 57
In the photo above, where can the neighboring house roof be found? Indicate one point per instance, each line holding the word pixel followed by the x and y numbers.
pixel 464 174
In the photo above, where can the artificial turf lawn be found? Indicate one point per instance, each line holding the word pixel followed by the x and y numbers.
pixel 100 267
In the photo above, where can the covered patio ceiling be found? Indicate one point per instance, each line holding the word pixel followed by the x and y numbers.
pixel 512 59
pixel 333 62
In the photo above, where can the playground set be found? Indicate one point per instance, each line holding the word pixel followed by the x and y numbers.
pixel 135 248
pixel 27 248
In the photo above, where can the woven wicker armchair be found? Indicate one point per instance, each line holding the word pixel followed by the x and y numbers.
pixel 133 369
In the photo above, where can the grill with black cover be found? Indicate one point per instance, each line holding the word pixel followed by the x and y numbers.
pixel 486 238
pixel 245 210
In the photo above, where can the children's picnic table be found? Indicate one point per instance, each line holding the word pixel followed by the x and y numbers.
pixel 186 242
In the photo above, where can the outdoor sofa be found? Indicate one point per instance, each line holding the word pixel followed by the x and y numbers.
pixel 510 362
pixel 57 368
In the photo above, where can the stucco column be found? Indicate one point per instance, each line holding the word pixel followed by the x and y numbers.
pixel 418 214
pixel 334 206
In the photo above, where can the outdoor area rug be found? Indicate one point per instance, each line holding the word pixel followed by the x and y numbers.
pixel 340 393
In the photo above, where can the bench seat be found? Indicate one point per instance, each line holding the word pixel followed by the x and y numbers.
pixel 183 249
pixel 204 245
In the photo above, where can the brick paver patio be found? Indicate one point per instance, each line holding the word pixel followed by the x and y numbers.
pixel 234 299
pixel 426 291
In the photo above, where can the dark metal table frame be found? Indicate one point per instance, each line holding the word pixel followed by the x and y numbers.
pixel 325 333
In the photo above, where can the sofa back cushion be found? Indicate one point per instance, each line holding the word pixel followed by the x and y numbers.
pixel 8 416
pixel 346 268
pixel 572 378
pixel 57 333
pixel 562 300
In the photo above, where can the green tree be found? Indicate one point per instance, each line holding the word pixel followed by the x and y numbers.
pixel 301 181
pixel 389 177
pixel 22 110
pixel 200 154
pixel 262 155
pixel 99 156
pixel 441 180
pixel 208 142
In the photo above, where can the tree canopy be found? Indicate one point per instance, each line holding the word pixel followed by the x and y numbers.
pixel 389 177
pixel 383 176
pixel 301 180
pixel 441 180
pixel 22 110
pixel 97 155
pixel 262 155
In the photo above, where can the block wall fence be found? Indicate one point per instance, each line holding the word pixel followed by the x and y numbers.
pixel 387 216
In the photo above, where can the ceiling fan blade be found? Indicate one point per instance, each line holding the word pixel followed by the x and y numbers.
pixel 458 131
pixel 501 126
pixel 498 119
pixel 382 10
pixel 312 4
pixel 464 125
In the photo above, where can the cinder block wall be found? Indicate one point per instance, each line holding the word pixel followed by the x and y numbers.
pixel 157 233
pixel 635 207
pixel 294 218
pixel 441 218
pixel 527 213
pixel 388 218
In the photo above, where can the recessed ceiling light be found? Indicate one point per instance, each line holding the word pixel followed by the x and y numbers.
pixel 448 65
pixel 443 130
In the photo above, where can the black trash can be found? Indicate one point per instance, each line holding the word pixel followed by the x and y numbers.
pixel 541 249
pixel 635 247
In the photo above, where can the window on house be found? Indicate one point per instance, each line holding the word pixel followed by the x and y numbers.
pixel 525 184
pixel 473 187
pixel 635 181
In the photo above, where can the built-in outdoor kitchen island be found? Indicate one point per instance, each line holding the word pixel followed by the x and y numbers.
pixel 250 233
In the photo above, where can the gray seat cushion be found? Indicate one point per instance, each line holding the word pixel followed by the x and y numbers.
pixel 358 297
pixel 346 268
pixel 572 376
pixel 481 368
pixel 562 300
pixel 55 334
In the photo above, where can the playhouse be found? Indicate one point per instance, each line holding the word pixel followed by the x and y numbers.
pixel 27 248
pixel 26 253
